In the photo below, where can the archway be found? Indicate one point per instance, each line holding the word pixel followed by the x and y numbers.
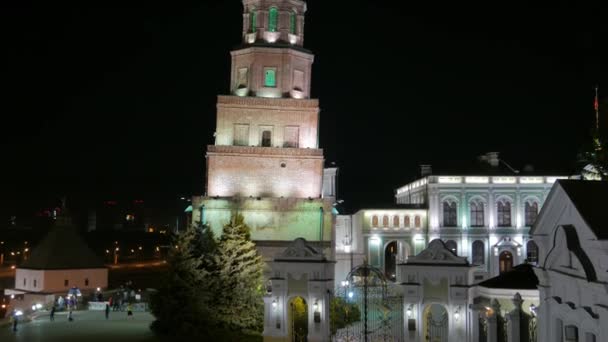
pixel 390 260
pixel 435 323
pixel 505 261
pixel 298 320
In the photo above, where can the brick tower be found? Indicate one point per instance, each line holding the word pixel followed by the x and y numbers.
pixel 266 163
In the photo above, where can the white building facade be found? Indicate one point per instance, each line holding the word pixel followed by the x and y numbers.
pixel 572 236
pixel 486 218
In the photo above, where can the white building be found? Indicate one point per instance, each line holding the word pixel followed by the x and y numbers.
pixel 484 215
pixel 572 237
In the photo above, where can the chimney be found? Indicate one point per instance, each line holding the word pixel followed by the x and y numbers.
pixel 492 158
pixel 425 170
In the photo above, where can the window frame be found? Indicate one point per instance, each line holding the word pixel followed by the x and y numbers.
pixel 273 19
pixel 477 213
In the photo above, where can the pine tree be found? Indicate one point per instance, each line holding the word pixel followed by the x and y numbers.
pixel 238 300
pixel 179 305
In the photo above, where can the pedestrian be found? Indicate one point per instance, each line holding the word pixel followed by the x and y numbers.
pixel 129 311
pixel 107 311
pixel 53 313
pixel 15 320
pixel 70 316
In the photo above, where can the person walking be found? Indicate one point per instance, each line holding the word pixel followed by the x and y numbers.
pixel 129 311
pixel 107 311
pixel 70 316
pixel 53 313
pixel 15 319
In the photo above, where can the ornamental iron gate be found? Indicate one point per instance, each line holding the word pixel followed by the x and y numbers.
pixel 367 308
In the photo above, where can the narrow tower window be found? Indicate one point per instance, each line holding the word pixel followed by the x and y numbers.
pixel 253 18
pixel 292 23
pixel 266 139
pixel 273 15
pixel 270 77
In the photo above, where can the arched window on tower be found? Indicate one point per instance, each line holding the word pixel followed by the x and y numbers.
pixel 273 15
pixel 479 253
pixel 477 214
pixel 395 221
pixel 449 214
pixel 292 22
pixel 253 21
pixel 532 252
pixel 531 209
pixel 504 214
pixel 374 221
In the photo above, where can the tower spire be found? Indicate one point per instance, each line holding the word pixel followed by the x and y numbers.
pixel 596 133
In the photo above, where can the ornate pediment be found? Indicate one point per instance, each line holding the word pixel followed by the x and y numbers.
pixel 300 249
pixel 437 253
pixel 507 242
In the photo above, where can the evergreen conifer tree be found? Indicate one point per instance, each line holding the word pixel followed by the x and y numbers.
pixel 180 305
pixel 238 302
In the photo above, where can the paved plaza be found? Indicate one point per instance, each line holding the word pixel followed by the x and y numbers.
pixel 88 326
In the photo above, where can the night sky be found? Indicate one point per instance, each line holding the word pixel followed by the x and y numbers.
pixel 118 100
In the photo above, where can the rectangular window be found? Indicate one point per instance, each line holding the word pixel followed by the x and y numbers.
pixel 66 283
pixel 292 137
pixel 86 282
pixel 270 77
pixel 266 139
pixel 298 80
pixel 242 79
pixel 571 333
pixel 24 282
pixel 477 215
pixel 241 135
pixel 35 283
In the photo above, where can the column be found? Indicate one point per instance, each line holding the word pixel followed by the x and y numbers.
pixel 513 323
pixel 473 323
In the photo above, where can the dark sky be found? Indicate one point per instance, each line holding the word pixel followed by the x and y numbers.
pixel 118 99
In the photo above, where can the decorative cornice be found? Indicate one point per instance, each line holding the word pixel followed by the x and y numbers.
pixel 277 103
pixel 265 151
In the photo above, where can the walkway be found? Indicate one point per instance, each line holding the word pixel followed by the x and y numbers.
pixel 88 326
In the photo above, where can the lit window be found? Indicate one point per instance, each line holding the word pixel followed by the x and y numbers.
pixel 273 15
pixel 477 214
pixel 417 222
pixel 532 252
pixel 385 221
pixel 406 221
pixel 270 77
pixel 395 221
pixel 449 214
pixel 531 213
pixel 253 19
pixel 504 214
pixel 374 221
pixel 478 253
pixel 292 23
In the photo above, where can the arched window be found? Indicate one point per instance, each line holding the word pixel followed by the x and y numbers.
pixel 374 221
pixel 449 214
pixel 292 22
pixel 253 20
pixel 273 15
pixel 417 222
pixel 406 221
pixel 477 214
pixel 452 246
pixel 532 252
pixel 504 214
pixel 270 77
pixel 531 213
pixel 479 253
pixel 396 221
pixel 385 221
